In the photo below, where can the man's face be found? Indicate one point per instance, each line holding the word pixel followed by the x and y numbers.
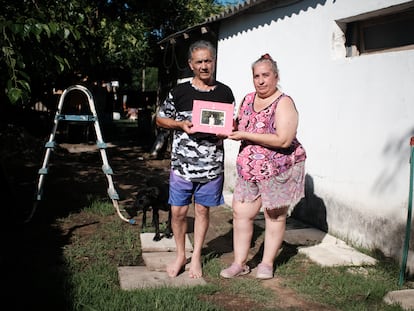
pixel 202 64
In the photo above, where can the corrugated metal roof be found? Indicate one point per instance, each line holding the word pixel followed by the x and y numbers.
pixel 232 11
pixel 236 9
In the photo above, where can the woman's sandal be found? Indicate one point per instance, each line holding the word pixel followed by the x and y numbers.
pixel 264 271
pixel 234 270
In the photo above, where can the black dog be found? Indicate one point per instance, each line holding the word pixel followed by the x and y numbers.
pixel 154 196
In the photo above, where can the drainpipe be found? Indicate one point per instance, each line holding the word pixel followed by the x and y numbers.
pixel 408 226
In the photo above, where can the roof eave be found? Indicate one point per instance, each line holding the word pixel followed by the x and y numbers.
pixel 229 12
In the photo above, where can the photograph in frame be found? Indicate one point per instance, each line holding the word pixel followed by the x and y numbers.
pixel 212 117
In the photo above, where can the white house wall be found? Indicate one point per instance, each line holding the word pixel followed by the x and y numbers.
pixel 356 115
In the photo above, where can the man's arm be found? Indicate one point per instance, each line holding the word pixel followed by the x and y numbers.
pixel 172 124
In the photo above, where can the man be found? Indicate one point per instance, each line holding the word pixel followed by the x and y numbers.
pixel 197 159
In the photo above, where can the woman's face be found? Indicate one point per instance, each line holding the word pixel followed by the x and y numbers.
pixel 264 79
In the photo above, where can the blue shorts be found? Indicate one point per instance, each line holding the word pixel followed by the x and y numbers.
pixel 206 194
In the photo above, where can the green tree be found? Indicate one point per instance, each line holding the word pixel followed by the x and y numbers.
pixel 45 40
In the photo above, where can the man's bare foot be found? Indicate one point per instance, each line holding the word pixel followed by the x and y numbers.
pixel 176 267
pixel 195 271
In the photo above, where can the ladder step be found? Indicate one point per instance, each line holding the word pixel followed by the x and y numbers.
pixel 76 117
pixel 113 194
pixel 43 171
pixel 50 144
pixel 101 145
pixel 107 170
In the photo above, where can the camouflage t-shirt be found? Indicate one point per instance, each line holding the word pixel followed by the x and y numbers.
pixel 197 157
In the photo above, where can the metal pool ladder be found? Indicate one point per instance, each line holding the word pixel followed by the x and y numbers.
pixel 93 117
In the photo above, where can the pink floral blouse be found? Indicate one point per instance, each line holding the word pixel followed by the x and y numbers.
pixel 255 162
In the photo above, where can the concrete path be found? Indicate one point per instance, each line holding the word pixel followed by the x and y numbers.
pixel 156 256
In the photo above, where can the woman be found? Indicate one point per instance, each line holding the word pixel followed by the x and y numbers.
pixel 270 167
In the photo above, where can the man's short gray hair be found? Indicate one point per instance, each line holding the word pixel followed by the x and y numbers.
pixel 201 44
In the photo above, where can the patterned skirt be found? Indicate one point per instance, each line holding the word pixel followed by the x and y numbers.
pixel 284 190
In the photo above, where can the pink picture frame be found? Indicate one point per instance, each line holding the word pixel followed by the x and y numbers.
pixel 212 117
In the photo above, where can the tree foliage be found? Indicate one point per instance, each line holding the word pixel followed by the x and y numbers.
pixel 43 41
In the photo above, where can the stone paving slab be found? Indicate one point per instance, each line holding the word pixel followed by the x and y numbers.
pixel 164 245
pixel 405 298
pixel 336 255
pixel 325 249
pixel 140 277
pixel 157 261
pixel 156 255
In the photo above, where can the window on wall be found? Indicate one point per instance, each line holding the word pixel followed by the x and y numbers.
pixel 380 33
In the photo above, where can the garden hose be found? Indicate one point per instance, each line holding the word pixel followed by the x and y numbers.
pixel 408 226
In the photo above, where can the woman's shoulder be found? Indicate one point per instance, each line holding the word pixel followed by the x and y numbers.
pixel 286 102
pixel 285 98
pixel 249 97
